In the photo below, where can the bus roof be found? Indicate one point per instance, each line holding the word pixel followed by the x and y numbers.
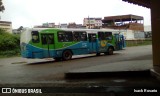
pixel 74 29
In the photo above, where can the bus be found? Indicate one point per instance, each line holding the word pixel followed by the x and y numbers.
pixel 62 44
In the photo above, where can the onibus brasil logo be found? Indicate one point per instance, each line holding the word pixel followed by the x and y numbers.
pixel 21 90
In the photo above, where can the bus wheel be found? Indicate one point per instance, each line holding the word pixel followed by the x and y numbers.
pixel 67 54
pixel 110 51
pixel 105 53
pixel 98 54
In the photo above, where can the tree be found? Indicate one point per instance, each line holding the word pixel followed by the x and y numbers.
pixel 1 6
pixel 20 28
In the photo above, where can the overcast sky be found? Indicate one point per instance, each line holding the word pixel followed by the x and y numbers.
pixel 28 13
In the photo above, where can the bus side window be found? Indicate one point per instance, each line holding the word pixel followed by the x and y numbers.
pixel 61 36
pixel 101 36
pixel 83 36
pixel 89 37
pixel 68 37
pixel 35 37
pixel 76 36
pixel 108 35
pixel 44 39
pixel 92 37
pixel 65 36
pixel 50 39
pixel 80 36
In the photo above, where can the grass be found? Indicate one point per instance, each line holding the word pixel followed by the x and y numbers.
pixel 138 43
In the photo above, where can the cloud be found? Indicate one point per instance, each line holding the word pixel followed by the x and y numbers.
pixel 35 12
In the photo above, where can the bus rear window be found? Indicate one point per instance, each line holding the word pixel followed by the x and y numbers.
pixel 35 37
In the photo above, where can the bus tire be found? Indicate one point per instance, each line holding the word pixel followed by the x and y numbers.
pixel 67 55
pixel 98 54
pixel 105 53
pixel 110 51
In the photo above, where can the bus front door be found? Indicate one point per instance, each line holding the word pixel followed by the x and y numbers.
pixel 123 41
pixel 92 42
pixel 48 45
pixel 120 42
pixel 117 42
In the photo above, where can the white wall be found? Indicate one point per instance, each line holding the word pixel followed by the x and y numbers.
pixel 132 35
pixel 147 28
pixel 128 34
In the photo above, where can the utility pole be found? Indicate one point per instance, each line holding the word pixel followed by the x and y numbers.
pixel 89 22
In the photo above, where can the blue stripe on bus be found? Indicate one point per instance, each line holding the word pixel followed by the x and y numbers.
pixel 77 49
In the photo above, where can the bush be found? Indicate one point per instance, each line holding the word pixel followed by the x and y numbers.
pixel 9 53
pixel 9 43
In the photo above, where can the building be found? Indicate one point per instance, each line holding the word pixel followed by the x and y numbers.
pixel 81 26
pixel 45 25
pixel 6 25
pixel 64 25
pixel 48 25
pixel 92 23
pixel 74 25
pixel 132 35
pixel 57 26
pixel 38 26
pixel 128 22
pixel 131 26
pixel 98 22
pixel 51 25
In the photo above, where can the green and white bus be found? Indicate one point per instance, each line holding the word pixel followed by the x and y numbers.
pixel 62 44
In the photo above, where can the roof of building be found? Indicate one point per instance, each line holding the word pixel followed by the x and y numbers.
pixel 144 3
pixel 98 18
pixel 122 18
pixel 5 22
pixel 91 18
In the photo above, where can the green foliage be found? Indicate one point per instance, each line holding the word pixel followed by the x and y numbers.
pixel 9 53
pixel 9 43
